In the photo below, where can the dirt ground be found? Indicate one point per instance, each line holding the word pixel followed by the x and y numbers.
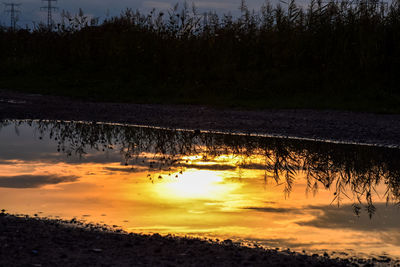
pixel 379 129
pixel 43 242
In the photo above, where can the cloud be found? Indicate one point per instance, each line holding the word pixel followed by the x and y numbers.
pixel 216 5
pixel 157 5
pixel 333 217
pixel 122 169
pixel 214 167
pixel 34 181
pixel 253 166
pixel 35 151
pixel 274 210
pixel 5 162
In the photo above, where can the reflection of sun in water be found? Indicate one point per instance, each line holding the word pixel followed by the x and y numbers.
pixel 200 184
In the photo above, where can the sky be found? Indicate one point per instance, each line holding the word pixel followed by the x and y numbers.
pixel 30 9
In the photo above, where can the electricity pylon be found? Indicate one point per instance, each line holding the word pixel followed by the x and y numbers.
pixel 49 9
pixel 12 8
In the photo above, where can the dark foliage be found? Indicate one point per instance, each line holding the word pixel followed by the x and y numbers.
pixel 336 55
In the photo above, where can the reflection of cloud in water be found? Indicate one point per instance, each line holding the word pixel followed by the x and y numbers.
pixel 333 217
pixel 124 169
pixel 34 181
pixel 226 167
pixel 35 155
pixel 253 166
pixel 5 162
pixel 296 243
pixel 275 210
pixel 211 167
pixel 145 163
pixel 26 146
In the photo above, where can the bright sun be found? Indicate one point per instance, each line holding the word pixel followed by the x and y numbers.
pixel 197 184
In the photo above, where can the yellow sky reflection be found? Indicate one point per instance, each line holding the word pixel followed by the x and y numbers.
pixel 196 184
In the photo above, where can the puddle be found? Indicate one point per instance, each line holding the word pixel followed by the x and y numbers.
pixel 278 193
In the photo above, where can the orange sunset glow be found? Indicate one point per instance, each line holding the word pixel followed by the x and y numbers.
pixel 235 203
pixel 222 196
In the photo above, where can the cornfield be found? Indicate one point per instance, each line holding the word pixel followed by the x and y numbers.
pixel 340 55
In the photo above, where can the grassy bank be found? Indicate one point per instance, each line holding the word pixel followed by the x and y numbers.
pixel 335 55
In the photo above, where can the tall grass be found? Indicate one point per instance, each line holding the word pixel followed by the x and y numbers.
pixel 326 55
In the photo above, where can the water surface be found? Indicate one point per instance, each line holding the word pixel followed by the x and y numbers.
pixel 275 192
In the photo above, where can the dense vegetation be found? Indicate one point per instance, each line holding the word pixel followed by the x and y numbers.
pixel 343 55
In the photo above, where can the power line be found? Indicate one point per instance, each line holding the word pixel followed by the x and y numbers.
pixel 49 9
pixel 12 9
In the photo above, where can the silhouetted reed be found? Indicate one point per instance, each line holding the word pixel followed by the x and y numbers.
pixel 326 55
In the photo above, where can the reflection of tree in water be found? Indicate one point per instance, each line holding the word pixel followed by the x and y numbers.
pixel 346 168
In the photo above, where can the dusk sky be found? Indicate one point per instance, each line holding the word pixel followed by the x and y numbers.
pixel 30 9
